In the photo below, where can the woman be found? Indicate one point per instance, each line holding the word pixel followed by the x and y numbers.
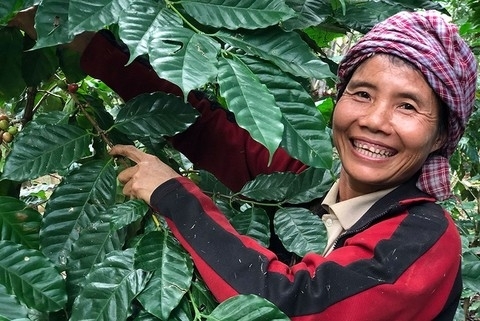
pixel 405 93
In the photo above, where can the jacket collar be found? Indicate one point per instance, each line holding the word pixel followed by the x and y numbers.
pixel 394 202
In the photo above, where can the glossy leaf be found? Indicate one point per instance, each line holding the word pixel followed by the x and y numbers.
pixel 162 295
pixel 186 58
pixel 52 148
pixel 230 14
pixel 49 118
pixel 286 50
pixel 173 270
pixel 140 20
pixel 226 208
pixel 74 205
pixel 86 15
pixel 51 23
pixel 202 296
pixel 109 289
pixel 19 223
pixel 310 184
pixel 106 120
pixel 11 47
pixel 424 4
pixel 31 277
pixel 305 136
pixel 300 231
pixel 362 16
pixel 145 316
pixel 323 37
pixel 155 115
pixel 308 13
pixel 271 187
pixel 247 308
pixel 39 65
pixel 471 272
pixel 157 249
pixel 183 312
pixel 93 244
pixel 123 214
pixel 209 183
pixel 253 222
pixel 251 102
pixel 11 308
pixel 69 61
pixel 7 8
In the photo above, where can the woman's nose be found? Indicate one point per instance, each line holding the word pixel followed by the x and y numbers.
pixel 377 117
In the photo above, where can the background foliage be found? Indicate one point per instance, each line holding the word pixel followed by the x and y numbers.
pixel 73 248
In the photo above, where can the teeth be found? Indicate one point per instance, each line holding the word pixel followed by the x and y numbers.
pixel 371 151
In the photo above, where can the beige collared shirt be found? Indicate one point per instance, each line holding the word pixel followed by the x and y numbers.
pixel 343 215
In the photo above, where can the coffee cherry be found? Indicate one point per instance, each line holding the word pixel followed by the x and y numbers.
pixel 4 124
pixel 72 88
pixel 4 117
pixel 13 130
pixel 7 137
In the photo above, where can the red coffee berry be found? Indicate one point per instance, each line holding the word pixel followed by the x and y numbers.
pixel 72 88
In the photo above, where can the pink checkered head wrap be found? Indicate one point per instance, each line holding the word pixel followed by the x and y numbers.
pixel 434 46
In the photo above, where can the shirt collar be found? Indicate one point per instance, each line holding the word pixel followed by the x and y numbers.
pixel 343 210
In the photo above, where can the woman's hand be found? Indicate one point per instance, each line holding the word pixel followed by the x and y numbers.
pixel 143 178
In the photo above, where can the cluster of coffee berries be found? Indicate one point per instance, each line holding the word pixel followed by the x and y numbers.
pixel 7 129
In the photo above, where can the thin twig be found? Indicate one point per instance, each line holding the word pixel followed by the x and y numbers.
pixel 29 106
pixel 99 130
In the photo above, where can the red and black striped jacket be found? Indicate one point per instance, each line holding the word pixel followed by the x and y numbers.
pixel 400 261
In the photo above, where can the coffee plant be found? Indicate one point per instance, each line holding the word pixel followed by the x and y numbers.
pixel 72 247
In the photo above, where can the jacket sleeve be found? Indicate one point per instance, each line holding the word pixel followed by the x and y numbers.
pixel 214 142
pixel 401 268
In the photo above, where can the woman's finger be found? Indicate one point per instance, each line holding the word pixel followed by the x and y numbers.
pixel 128 151
pixel 127 174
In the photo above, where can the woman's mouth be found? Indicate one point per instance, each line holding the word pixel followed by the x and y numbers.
pixel 372 150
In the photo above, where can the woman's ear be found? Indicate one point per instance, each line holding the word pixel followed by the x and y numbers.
pixel 441 140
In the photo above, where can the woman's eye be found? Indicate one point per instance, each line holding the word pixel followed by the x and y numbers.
pixel 408 106
pixel 362 94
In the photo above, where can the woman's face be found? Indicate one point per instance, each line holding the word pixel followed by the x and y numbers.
pixel 384 126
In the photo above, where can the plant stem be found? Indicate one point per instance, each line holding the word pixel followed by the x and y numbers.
pixel 198 314
pixel 44 96
pixel 100 131
pixel 170 5
pixel 156 221
pixel 237 196
pixel 29 108
pixel 123 161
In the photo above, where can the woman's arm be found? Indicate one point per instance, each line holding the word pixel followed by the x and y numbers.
pixel 214 143
pixel 402 268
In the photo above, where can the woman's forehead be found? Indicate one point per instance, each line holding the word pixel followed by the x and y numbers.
pixel 396 70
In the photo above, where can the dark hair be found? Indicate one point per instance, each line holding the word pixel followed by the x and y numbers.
pixel 443 119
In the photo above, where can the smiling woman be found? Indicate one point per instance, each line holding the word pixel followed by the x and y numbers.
pixel 385 125
pixel 447 64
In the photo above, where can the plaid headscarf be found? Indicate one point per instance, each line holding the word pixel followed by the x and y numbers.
pixel 434 46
